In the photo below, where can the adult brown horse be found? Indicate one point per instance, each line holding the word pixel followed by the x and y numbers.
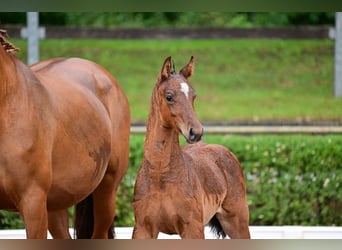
pixel 179 190
pixel 64 139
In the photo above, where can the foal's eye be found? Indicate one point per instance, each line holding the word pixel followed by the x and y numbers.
pixel 169 98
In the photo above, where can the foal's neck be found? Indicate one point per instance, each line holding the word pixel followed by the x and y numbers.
pixel 161 148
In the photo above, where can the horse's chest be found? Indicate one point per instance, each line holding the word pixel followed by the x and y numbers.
pixel 170 209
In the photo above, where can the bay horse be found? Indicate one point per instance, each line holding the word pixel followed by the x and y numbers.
pixel 179 190
pixel 64 140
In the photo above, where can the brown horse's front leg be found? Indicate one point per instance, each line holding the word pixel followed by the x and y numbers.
pixel 59 224
pixel 33 208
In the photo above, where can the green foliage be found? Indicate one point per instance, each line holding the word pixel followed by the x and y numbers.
pixel 197 19
pixel 174 19
pixel 124 211
pixel 10 220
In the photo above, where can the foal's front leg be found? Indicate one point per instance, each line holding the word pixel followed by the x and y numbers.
pixel 144 228
pixel 143 233
pixel 193 231
pixel 145 221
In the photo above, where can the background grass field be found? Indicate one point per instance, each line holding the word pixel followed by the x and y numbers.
pixel 235 80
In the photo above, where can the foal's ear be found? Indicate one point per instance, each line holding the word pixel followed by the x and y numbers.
pixel 166 70
pixel 188 69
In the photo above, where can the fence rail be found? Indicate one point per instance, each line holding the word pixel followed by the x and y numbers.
pixel 61 32
pixel 257 232
pixel 258 129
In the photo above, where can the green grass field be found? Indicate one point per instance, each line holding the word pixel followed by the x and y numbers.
pixel 235 80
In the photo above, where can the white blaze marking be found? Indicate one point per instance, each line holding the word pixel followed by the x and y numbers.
pixel 185 89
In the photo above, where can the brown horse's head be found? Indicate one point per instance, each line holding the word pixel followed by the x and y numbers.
pixel 176 101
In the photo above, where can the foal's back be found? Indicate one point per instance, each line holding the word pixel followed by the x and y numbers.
pixel 216 167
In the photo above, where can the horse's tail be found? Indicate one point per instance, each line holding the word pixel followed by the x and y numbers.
pixel 216 228
pixel 84 220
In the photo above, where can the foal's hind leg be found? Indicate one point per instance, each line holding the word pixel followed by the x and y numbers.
pixel 234 219
pixel 59 224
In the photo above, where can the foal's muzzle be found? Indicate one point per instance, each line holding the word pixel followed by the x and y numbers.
pixel 195 135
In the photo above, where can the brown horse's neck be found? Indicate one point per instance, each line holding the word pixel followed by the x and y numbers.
pixel 162 149
pixel 8 74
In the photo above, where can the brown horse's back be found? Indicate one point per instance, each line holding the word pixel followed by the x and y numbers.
pixel 96 79
pixel 104 87
pixel 83 72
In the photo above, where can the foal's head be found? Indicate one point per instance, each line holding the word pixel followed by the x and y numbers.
pixel 175 97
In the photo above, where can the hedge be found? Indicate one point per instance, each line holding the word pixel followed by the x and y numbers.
pixel 291 180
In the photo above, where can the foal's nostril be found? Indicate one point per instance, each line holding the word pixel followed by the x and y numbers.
pixel 193 136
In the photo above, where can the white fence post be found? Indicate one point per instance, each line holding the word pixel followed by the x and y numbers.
pixel 33 33
pixel 338 55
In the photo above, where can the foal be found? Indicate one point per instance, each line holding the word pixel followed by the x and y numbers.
pixel 179 190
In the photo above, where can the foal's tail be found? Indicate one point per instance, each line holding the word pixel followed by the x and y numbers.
pixel 84 220
pixel 216 228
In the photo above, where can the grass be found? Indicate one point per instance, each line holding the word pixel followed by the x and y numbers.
pixel 235 80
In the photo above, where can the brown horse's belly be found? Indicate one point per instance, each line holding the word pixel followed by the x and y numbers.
pixel 81 149
pixel 5 202
pixel 72 184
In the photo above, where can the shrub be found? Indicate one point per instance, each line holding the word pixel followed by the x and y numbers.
pixel 10 220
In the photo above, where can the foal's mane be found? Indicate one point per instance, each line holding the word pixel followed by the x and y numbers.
pixel 8 47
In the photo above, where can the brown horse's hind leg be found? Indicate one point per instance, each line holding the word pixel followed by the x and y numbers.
pixel 104 198
pixel 235 220
pixel 59 224
pixel 104 209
